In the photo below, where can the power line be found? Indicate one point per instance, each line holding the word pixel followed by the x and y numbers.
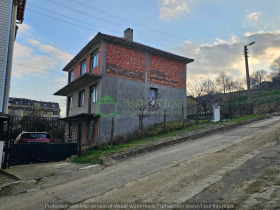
pixel 84 23
pixel 81 26
pixel 61 20
pixel 79 11
pixel 62 15
pixel 88 6
pixel 33 67
pixel 102 19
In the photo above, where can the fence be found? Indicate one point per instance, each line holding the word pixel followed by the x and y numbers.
pixel 198 112
pixel 40 153
pixel 53 126
pixel 234 110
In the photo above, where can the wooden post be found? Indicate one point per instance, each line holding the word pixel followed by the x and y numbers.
pixel 79 137
pixel 183 118
pixel 164 121
pixel 112 130
pixel 7 144
pixel 197 113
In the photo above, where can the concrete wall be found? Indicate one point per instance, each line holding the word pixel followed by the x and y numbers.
pixel 5 20
pixel 127 77
pixel 75 101
pixel 129 95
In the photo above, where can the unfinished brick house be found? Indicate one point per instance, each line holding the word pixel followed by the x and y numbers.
pixel 117 77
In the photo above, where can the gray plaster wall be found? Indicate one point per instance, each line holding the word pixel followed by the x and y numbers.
pixel 129 95
pixel 75 100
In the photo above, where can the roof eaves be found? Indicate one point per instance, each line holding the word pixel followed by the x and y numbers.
pixel 99 37
pixel 83 51
pixel 21 10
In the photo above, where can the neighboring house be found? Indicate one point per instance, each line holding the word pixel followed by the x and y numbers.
pixel 117 77
pixel 11 11
pixel 26 107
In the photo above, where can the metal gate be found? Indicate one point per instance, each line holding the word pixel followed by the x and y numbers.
pixel 40 153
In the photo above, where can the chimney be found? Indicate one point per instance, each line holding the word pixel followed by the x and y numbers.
pixel 128 34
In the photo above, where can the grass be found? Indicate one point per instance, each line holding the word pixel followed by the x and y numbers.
pixel 247 117
pixel 174 129
pixel 259 98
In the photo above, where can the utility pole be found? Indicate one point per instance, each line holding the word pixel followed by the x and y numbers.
pixel 250 103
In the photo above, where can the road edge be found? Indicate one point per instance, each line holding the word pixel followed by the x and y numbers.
pixel 150 148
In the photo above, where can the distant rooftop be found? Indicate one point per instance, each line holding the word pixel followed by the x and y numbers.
pixel 30 102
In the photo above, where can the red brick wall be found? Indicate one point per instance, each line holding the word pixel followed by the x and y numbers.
pixel 96 70
pixel 77 71
pixel 84 132
pixel 130 64
pixel 125 62
pixel 166 72
pixel 84 139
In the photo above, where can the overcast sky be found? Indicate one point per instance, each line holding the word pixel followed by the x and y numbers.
pixel 213 32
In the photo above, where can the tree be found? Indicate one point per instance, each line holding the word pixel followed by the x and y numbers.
pixel 203 90
pixel 253 82
pixel 202 87
pixel 275 66
pixel 239 85
pixel 231 87
pixel 258 77
pixel 222 81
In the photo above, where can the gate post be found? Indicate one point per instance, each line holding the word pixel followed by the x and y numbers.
pixel 79 137
pixel 7 145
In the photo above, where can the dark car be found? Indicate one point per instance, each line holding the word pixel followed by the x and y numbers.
pixel 33 137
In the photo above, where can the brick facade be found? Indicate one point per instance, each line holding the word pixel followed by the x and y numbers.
pixel 96 70
pixel 85 140
pixel 131 64
pixel 166 72
pixel 125 62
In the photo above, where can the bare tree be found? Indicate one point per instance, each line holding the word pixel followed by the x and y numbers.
pixel 203 90
pixel 202 87
pixel 253 82
pixel 258 77
pixel 231 87
pixel 239 85
pixel 275 66
pixel 222 80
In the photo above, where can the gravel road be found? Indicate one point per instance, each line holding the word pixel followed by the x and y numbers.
pixel 180 174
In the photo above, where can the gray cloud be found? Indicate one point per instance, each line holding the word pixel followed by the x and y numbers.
pixel 227 55
pixel 171 9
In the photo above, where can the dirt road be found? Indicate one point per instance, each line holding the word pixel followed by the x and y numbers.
pixel 192 171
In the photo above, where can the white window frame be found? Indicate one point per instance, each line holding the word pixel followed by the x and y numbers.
pixel 153 94
pixel 71 76
pixel 83 68
pixel 94 59
pixel 81 98
pixel 93 92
